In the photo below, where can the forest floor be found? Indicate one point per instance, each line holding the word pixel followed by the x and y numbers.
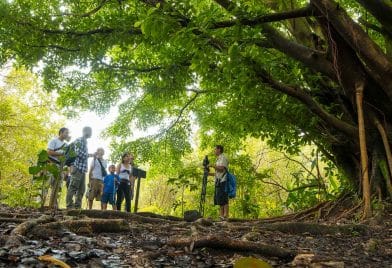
pixel 116 239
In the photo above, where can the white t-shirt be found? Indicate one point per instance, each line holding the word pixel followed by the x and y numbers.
pixel 125 173
pixel 54 145
pixel 221 161
pixel 97 171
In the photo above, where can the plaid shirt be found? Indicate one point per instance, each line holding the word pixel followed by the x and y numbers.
pixel 81 154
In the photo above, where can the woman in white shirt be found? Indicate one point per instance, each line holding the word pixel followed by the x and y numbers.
pixel 124 171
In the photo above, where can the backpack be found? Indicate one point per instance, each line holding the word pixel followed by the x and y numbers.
pixel 70 154
pixel 231 185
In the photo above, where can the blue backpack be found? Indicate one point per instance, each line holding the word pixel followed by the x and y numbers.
pixel 231 185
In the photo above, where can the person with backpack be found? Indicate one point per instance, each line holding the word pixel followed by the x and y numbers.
pixel 77 157
pixel 96 175
pixel 221 197
pixel 56 150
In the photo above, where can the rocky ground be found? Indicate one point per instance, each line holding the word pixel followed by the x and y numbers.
pixel 116 239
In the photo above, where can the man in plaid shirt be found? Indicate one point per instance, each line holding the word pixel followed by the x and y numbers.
pixel 77 185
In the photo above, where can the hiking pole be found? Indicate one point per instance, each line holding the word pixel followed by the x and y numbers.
pixel 206 162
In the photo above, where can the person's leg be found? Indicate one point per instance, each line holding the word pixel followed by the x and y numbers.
pixel 81 190
pixel 127 195
pixel 92 193
pixel 71 191
pixel 103 206
pixel 221 211
pixel 120 196
pixel 226 211
pixel 132 187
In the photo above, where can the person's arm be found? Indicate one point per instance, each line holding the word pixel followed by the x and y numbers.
pixel 90 172
pixel 118 169
pixel 52 151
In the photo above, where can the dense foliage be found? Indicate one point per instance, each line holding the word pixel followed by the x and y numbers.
pixel 27 121
pixel 285 72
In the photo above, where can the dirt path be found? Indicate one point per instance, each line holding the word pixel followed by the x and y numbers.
pixel 152 241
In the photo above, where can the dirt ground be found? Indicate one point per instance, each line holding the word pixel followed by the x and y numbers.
pixel 94 239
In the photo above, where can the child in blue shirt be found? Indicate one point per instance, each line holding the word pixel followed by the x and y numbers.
pixel 110 183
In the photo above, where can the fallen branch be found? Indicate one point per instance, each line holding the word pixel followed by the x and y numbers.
pixel 217 242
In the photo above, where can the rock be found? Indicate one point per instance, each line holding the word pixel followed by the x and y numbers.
pixel 303 259
pixel 251 236
pixel 95 263
pixel 73 246
pixel 191 215
pixel 204 222
pixel 371 245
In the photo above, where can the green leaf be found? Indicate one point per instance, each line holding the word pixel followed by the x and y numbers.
pixel 250 262
pixel 35 170
pixel 43 156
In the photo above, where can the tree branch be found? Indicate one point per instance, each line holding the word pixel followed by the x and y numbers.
pixel 309 102
pixel 313 59
pixel 54 47
pixel 88 13
pixel 292 14
pixel 359 41
pixel 380 10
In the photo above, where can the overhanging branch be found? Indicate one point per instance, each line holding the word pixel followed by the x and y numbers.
pixel 307 100
pixel 292 14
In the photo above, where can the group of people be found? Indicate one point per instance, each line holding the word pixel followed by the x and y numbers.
pixel 107 184
pixel 119 183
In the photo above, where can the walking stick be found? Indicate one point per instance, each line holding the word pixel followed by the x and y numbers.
pixel 206 162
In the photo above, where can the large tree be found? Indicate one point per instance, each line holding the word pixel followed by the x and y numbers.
pixel 295 72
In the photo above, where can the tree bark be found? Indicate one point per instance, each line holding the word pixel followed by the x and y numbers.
pixel 388 154
pixel 359 41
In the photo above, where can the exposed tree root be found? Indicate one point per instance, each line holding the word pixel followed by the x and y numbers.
pixel 224 243
pixel 15 239
pixel 17 220
pixel 14 215
pixel 153 215
pixel 87 226
pixel 113 214
pixel 316 229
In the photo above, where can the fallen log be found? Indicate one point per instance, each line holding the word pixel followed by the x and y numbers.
pixel 84 226
pixel 224 243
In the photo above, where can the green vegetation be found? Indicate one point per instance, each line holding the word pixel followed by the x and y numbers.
pixel 27 121
pixel 293 77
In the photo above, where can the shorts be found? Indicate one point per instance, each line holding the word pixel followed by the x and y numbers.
pixel 221 197
pixel 96 188
pixel 108 198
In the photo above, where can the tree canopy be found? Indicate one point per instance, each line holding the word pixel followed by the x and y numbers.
pixel 287 72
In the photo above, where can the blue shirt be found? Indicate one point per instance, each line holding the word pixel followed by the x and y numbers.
pixel 109 183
